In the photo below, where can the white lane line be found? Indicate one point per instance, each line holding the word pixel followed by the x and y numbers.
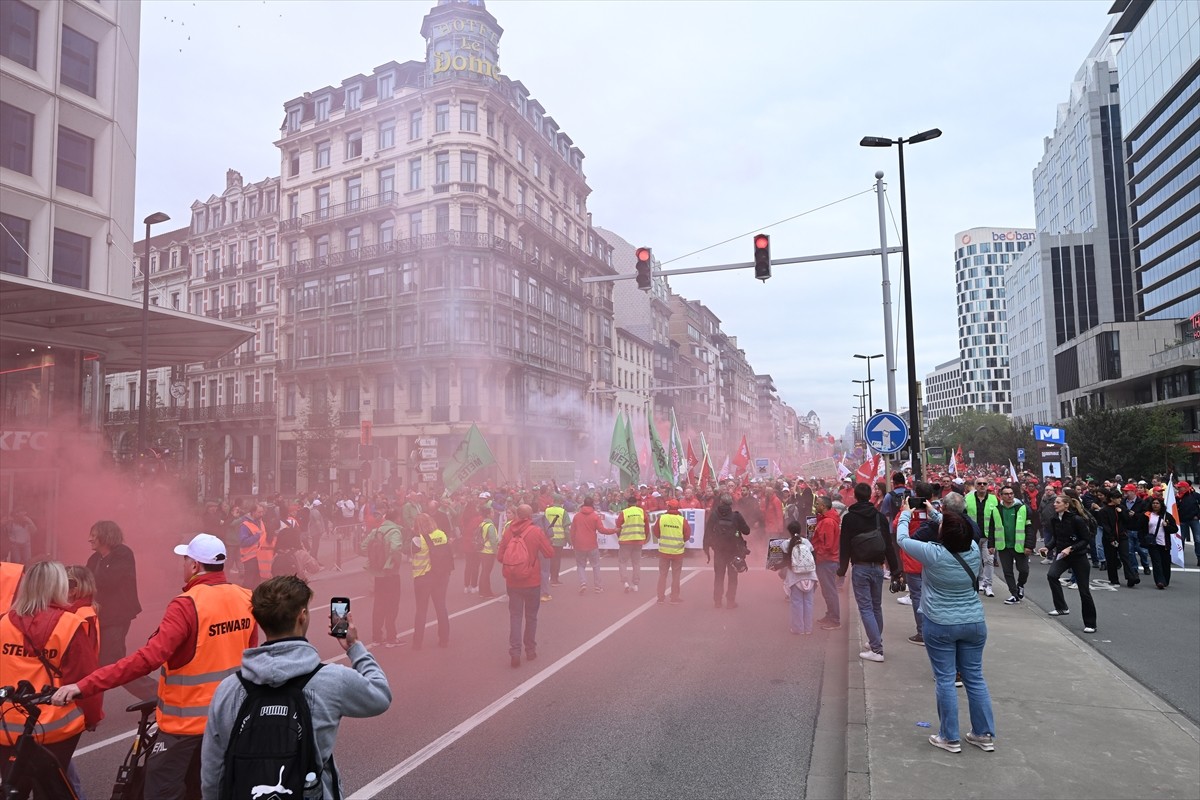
pixel 430 750
pixel 467 610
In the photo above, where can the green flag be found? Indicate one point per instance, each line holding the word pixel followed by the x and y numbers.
pixel 677 456
pixel 619 453
pixel 473 454
pixel 658 454
pixel 633 472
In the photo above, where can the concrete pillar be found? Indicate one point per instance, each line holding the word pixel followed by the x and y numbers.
pixel 227 465
pixel 256 478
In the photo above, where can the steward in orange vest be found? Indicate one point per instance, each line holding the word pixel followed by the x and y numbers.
pixel 10 576
pixel 198 643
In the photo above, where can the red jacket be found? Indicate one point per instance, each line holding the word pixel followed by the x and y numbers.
pixel 174 643
pixel 772 513
pixel 826 537
pixel 80 658
pixel 584 527
pixel 537 543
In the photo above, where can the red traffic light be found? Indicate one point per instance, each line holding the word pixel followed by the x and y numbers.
pixel 643 254
pixel 762 241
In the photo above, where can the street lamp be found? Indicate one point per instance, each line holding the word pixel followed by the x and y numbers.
pixel 914 427
pixel 870 399
pixel 862 406
pixel 153 219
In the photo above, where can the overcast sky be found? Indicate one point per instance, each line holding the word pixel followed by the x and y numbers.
pixel 700 121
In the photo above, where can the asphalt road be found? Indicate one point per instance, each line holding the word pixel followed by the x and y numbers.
pixel 1152 635
pixel 627 699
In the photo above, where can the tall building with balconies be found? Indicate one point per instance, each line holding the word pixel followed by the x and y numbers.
pixel 696 330
pixel 434 235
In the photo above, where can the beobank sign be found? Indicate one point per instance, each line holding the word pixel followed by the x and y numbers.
pixel 1014 236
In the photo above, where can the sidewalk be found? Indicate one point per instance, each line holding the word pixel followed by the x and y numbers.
pixel 1070 723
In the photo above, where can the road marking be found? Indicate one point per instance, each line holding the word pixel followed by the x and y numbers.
pixel 430 750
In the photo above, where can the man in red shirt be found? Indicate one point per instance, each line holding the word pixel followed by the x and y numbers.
pixel 198 643
pixel 584 526
pixel 524 582
pixel 826 541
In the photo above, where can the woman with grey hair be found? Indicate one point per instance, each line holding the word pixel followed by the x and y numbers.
pixel 115 569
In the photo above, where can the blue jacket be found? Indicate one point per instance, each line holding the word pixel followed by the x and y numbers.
pixel 948 595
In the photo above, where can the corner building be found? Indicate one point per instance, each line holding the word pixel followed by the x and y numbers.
pixel 434 236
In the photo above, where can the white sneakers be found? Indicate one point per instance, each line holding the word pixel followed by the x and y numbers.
pixel 904 600
pixel 1089 630
pixel 870 655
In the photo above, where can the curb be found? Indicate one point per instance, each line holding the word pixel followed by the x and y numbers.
pixel 858 764
pixel 827 761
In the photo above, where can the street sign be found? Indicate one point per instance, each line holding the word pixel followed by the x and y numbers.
pixel 762 465
pixel 971 454
pixel 428 477
pixel 365 429
pixel 427 466
pixel 1074 462
pixel 427 441
pixel 1044 433
pixel 886 433
pixel 1020 454
pixel 429 453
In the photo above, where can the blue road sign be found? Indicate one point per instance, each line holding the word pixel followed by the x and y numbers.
pixel 1044 433
pixel 1020 454
pixel 886 433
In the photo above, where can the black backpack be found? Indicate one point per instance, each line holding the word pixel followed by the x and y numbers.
pixel 272 751
pixel 868 547
pixel 285 563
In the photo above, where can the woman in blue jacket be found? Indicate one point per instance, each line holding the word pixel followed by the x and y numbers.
pixel 954 631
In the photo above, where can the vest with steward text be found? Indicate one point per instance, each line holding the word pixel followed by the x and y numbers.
pixel 634 528
pixel 222 633
pixel 250 552
pixel 670 534
pixel 57 723
pixel 10 576
pixel 421 563
pixel 556 518
pixel 1002 535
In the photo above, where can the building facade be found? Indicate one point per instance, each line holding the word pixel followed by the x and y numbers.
pixel 943 392
pixel 981 257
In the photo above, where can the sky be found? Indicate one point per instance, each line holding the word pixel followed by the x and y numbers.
pixel 700 122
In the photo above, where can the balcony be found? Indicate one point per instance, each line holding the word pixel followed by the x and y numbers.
pixel 399 247
pixel 249 266
pixel 212 275
pixel 228 413
pixel 121 417
pixel 342 210
pixel 229 312
pixel 348 419
pixel 247 357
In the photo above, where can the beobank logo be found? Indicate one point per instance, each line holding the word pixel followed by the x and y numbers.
pixel 966 238
pixel 1013 236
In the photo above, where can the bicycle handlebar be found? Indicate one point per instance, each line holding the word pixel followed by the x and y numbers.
pixel 25 695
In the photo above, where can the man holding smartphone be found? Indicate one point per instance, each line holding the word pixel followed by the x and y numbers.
pixel 280 606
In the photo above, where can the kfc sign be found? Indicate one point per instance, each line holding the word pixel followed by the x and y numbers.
pixel 15 441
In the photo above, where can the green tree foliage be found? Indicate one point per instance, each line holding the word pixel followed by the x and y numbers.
pixel 1132 442
pixel 994 437
pixel 316 439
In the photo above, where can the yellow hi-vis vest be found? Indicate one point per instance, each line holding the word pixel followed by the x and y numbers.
pixel 18 662
pixel 420 560
pixel 556 517
pixel 634 528
pixel 488 535
pixel 670 534
pixel 1002 532
pixel 224 628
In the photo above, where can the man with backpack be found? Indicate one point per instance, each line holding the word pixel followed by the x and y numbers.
pixel 723 532
pixel 383 547
pixel 866 542
pixel 895 501
pixel 520 552
pixel 275 721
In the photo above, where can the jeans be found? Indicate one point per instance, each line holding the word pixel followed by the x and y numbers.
pixel 471 569
pixel 915 582
pixel 556 563
pixel 1138 552
pixel 1077 561
pixel 959 649
pixel 1160 562
pixel 487 561
pixel 384 608
pixel 827 580
pixel 523 604
pixel 674 566
pixel 1117 556
pixel 722 567
pixel 251 577
pixel 431 586
pixel 582 559
pixel 1191 527
pixel 802 608
pixel 1009 558
pixel 988 572
pixel 630 555
pixel 867 580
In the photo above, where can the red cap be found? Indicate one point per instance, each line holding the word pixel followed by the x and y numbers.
pixel 672 505
pixel 1129 487
pixel 1183 485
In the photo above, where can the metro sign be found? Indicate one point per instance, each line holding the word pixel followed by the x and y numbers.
pixel 1044 433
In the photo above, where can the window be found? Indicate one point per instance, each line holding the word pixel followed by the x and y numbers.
pixel 441 217
pixel 293 163
pixel 269 290
pixel 322 155
pixel 414 224
pixel 407 330
pixel 294 115
pixel 386 231
pixel 72 254
pixel 74 161
pixel 321 198
pixel 322 109
pixel 293 206
pixel 387 133
pixel 78 61
pixel 387 181
pixel 18 33
pixel 414 174
pixel 537 166
pixel 321 246
pixel 435 327
pixel 354 144
pixel 269 337
pixel 469 218
pixel 353 238
pixel 408 277
pixel 14 244
pixel 342 332
pixel 16 139
pixel 468 116
pixel 441 117
pixel 415 384
pixel 520 151
pixel 467 171
pixel 375 333
pixel 376 282
pixel 271 247
pixel 472 271
pixel 385 391
pixel 387 85
pixel 353 192
pixel 441 168
pixel 414 125
pixel 353 98
pixel 491 123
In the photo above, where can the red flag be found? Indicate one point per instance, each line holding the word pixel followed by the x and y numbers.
pixel 741 459
pixel 866 472
pixel 692 461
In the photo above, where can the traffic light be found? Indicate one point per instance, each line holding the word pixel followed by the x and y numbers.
pixel 762 256
pixel 643 268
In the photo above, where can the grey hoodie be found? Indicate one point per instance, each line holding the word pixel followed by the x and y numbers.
pixel 334 692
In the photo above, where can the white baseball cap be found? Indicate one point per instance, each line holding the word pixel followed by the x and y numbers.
pixel 485 495
pixel 204 548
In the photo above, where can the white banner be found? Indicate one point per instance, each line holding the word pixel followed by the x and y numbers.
pixel 694 517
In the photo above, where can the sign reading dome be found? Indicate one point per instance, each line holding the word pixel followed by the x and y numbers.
pixel 462 38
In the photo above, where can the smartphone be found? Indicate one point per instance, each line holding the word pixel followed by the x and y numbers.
pixel 339 607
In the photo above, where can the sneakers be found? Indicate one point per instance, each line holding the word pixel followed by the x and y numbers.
pixel 662 600
pixel 598 589
pixel 1057 613
pixel 731 604
pixel 988 591
pixel 830 625
pixel 984 742
pixel 555 583
pixel 676 600
pixel 1145 570
pixel 1047 561
pixel 1012 601
pixel 582 588
pixel 628 588
pixel 547 598
pixel 871 655
pixel 1072 585
pixel 917 638
pixel 1064 581
pixel 635 587
pixel 950 747
pixel 904 600
pixel 718 604
pixel 1089 630
pixel 1020 592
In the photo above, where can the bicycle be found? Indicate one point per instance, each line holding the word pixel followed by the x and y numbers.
pixel 131 775
pixel 31 767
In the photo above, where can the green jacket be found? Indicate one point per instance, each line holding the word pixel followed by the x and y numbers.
pixel 395 544
pixel 1013 529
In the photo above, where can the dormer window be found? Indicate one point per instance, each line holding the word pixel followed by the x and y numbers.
pixel 353 98
pixel 322 109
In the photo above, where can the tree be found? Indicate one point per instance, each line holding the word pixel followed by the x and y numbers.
pixel 316 438
pixel 994 437
pixel 1125 441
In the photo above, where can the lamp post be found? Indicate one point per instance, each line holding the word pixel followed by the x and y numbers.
pixel 862 407
pixel 153 219
pixel 914 426
pixel 870 399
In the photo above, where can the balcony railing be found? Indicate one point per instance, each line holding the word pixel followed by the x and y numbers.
pixel 440 414
pixel 349 418
pixel 120 416
pixel 249 308
pixel 1188 350
pixel 236 411
pixel 247 357
pixel 341 210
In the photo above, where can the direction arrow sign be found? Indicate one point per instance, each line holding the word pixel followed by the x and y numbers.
pixel 429 453
pixel 428 476
pixel 427 441
pixel 427 466
pixel 886 433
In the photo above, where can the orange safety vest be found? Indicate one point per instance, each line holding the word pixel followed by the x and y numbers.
pixel 18 662
pixel 266 554
pixel 91 624
pixel 223 632
pixel 251 551
pixel 10 578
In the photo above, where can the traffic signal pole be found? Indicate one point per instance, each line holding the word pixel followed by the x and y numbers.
pixel 775 262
